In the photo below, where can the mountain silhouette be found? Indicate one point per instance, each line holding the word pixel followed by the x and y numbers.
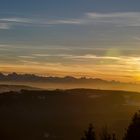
pixel 33 78
pixel 66 82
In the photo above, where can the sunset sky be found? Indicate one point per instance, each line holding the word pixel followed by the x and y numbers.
pixel 92 38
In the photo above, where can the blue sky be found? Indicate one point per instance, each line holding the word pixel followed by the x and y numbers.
pixel 61 37
pixel 56 21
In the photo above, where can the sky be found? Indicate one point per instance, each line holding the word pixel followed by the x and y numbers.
pixel 92 38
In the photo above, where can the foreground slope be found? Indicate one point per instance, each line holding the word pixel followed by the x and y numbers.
pixel 64 114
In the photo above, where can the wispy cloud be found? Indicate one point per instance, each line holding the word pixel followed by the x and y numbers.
pixel 8 23
pixel 41 55
pixel 90 56
pixel 26 56
pixel 5 26
pixel 113 15
pixel 16 19
pixel 64 21
pixel 53 55
pixel 116 18
pixel 29 62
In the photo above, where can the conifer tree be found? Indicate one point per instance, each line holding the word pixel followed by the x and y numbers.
pixel 133 131
pixel 89 134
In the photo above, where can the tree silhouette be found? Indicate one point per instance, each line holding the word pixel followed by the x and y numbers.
pixel 114 137
pixel 133 131
pixel 107 136
pixel 89 134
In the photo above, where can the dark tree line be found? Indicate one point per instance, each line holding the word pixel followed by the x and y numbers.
pixel 90 134
pixel 132 132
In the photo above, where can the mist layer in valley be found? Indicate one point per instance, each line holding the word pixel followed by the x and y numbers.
pixel 67 82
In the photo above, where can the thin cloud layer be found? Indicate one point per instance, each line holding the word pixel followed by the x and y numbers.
pixel 5 26
pixel 115 19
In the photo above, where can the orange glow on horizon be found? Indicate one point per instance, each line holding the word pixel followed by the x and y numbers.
pixel 70 71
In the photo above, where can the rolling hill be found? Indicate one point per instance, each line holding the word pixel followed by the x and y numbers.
pixel 6 88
